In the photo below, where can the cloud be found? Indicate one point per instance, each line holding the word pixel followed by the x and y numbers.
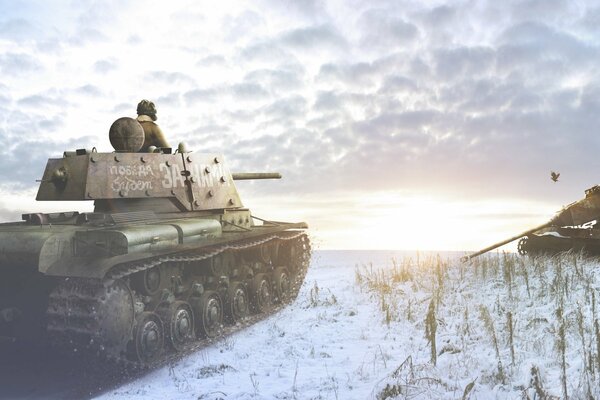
pixel 440 16
pixel 172 99
pixel 461 62
pixel 202 95
pixel 19 64
pixel 314 37
pixel 122 108
pixel 591 20
pixel 267 50
pixel 542 50
pixel 282 78
pixel 543 10
pixel 242 25
pixel 89 90
pixel 5 99
pixel 358 74
pixel 86 36
pixel 37 151
pixel 17 29
pixel 40 101
pixel 134 40
pixel 211 60
pixel 397 84
pixel 170 77
pixel 29 123
pixel 304 10
pixel 286 108
pixel 328 101
pixel 8 215
pixel 404 127
pixel 383 30
pixel 248 91
pixel 105 66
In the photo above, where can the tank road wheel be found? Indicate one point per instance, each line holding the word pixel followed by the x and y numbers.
pixel 263 253
pixel 115 314
pixel 85 314
pixel 178 320
pixel 147 282
pixel 209 319
pixel 281 284
pixel 522 246
pixel 222 264
pixel 148 337
pixel 291 255
pixel 288 253
pixel 261 294
pixel 237 306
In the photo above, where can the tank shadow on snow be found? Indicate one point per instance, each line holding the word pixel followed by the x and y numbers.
pixel 42 372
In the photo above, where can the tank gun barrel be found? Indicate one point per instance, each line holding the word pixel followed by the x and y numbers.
pixel 240 176
pixel 502 243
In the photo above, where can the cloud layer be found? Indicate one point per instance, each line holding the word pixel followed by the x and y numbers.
pixel 463 100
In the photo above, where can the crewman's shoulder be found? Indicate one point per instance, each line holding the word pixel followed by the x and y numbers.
pixel 145 120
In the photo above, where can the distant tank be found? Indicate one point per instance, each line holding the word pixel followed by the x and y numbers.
pixel 575 228
pixel 168 256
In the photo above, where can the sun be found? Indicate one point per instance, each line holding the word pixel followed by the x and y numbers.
pixel 414 221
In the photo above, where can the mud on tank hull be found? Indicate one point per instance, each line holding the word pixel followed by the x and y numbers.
pixel 115 291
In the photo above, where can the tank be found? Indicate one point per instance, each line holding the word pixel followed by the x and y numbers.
pixel 168 256
pixel 574 228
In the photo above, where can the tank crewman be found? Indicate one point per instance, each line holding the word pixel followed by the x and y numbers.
pixel 153 136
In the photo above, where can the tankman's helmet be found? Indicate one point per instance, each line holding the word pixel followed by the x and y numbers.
pixel 146 107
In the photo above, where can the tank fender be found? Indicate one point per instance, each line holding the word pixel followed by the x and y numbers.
pixel 124 240
pixel 91 253
pixel 194 230
pixel 56 249
pixel 22 249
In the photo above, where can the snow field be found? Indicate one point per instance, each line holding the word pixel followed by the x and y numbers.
pixel 331 343
pixel 504 327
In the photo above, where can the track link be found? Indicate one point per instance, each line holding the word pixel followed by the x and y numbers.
pixel 91 317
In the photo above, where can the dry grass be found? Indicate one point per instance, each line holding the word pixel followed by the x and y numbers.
pixel 527 307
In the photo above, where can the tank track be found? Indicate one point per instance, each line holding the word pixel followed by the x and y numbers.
pixel 579 240
pixel 86 316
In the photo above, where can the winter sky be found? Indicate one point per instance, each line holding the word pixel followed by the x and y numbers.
pixel 396 124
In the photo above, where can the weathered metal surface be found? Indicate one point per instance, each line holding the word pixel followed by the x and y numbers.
pixel 239 176
pixel 503 242
pixel 565 231
pixel 193 181
pixel 126 134
pixel 581 211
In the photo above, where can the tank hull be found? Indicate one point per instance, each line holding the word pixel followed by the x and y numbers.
pixel 105 289
pixel 558 240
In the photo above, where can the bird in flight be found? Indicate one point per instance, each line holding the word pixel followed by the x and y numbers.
pixel 554 176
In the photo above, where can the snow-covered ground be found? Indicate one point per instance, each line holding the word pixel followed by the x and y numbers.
pixel 363 327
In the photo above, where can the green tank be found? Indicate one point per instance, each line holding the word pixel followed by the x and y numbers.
pixel 574 228
pixel 168 256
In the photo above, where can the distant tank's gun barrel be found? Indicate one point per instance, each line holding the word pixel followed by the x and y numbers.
pixel 241 176
pixel 502 243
